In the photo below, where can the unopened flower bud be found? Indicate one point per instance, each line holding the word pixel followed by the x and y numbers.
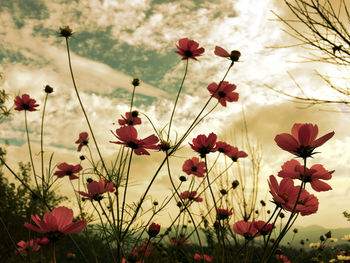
pixel 281 215
pixel 153 230
pixel 48 89
pixel 295 230
pixel 235 184
pixel 135 82
pixel 65 32
pixel 234 56
pixel 89 180
pixel 328 234
pixel 82 157
pixel 183 178
pixel 262 202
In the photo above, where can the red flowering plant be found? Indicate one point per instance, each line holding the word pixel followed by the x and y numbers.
pixel 215 196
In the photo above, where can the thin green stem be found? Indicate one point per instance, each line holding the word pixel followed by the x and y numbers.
pixel 30 150
pixel 83 109
pixel 176 100
pixel 42 145
pixel 124 195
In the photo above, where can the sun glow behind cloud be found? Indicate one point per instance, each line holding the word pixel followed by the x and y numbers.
pixel 116 41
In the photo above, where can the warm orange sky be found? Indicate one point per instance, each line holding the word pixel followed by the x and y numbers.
pixel 111 47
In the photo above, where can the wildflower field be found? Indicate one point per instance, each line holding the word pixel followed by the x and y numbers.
pixel 89 208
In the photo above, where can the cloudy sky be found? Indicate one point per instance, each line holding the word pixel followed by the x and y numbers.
pixel 116 41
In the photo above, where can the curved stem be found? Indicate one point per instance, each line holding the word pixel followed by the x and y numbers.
pixel 82 107
pixel 177 98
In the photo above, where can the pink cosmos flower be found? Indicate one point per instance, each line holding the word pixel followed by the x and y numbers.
pixel 260 226
pixel 24 246
pixel 153 230
pixel 142 251
pixel 182 240
pixel 307 204
pixel 246 229
pixel 285 193
pixel 130 119
pixel 59 220
pixel 189 49
pixel 97 189
pixel 223 147
pixel 294 170
pixel 194 166
pixel 25 103
pixel 302 141
pixel 223 214
pixel 128 137
pixel 66 169
pixel 198 257
pixel 283 258
pixel 203 144
pixel 83 140
pixel 224 93
pixel 235 154
pixel 234 56
pixel 186 195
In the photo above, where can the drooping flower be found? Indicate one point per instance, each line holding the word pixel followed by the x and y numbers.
pixel 223 93
pixel 285 193
pixel 260 226
pixel 223 214
pixel 25 103
pixel 189 49
pixel 313 175
pixel 246 229
pixel 302 141
pixel 194 166
pixel 198 257
pixel 83 140
pixel 307 204
pixel 235 154
pixel 234 56
pixel 97 189
pixel 186 195
pixel 58 221
pixel 223 147
pixel 153 230
pixel 203 144
pixel 130 119
pixel 66 169
pixel 128 137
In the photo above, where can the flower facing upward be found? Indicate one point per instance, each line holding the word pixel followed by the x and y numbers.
pixel 235 154
pixel 194 166
pixel 59 220
pixel 302 141
pixel 246 229
pixel 260 226
pixel 186 195
pixel 130 119
pixel 66 169
pixel 234 56
pixel 203 144
pixel 153 230
pixel 83 140
pixel 224 93
pixel 25 103
pixel 294 170
pixel 97 189
pixel 189 49
pixel 223 214
pixel 128 137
